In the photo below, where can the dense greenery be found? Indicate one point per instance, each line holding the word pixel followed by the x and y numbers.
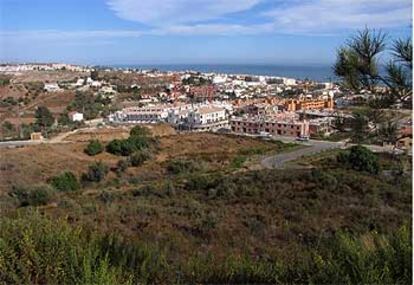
pixel 65 182
pixel 138 140
pixel 360 158
pixel 36 250
pixel 94 147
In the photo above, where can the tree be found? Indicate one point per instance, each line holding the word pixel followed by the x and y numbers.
pixel 357 64
pixel 360 158
pixel 44 118
pixel 94 147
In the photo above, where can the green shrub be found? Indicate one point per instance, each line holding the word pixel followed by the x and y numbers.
pixel 360 158
pixel 179 166
pixel 139 157
pixel 238 162
pixel 37 250
pixel 66 182
pixel 33 196
pixel 128 146
pixel 96 172
pixel 94 147
pixel 139 131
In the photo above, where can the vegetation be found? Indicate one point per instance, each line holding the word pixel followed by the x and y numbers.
pixel 139 157
pixel 360 158
pixel 66 182
pixel 33 196
pixel 138 141
pixel 89 104
pixel 36 250
pixel 44 118
pixel 4 80
pixel 357 66
pixel 181 166
pixel 96 172
pixel 94 147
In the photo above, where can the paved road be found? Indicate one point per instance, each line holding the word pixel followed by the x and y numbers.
pixel 311 147
pixel 314 147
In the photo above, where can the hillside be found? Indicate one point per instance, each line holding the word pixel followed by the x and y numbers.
pixel 202 211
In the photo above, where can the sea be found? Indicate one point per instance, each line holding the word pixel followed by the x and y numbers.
pixel 321 73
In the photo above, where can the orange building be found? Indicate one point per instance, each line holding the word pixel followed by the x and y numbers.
pixel 309 104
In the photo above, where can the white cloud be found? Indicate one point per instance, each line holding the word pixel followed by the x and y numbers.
pixel 322 16
pixel 162 12
pixel 185 17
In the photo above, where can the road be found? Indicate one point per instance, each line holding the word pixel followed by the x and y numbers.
pixel 312 147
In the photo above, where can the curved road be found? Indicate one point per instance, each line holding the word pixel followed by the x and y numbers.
pixel 312 147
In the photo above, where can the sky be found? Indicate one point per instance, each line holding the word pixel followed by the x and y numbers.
pixel 289 32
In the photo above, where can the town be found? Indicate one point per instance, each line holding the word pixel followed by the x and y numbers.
pixel 189 101
pixel 206 142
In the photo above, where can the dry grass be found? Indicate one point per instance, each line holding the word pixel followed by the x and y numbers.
pixel 35 164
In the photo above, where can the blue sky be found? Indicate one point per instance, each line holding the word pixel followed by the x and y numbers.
pixel 190 31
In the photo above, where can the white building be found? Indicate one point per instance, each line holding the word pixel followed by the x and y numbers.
pixel 52 87
pixel 76 116
pixel 208 118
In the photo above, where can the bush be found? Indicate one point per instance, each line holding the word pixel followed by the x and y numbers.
pixel 122 165
pixel 128 146
pixel 179 166
pixel 66 182
pixel 139 131
pixel 93 148
pixel 33 196
pixel 96 172
pixel 360 158
pixel 139 157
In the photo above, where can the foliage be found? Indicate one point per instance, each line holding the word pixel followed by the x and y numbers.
pixel 139 131
pixel 4 79
pixel 37 195
pixel 65 182
pixel 238 161
pixel 44 118
pixel 88 104
pixel 138 140
pixel 37 250
pixel 357 64
pixel 8 128
pixel 128 146
pixel 96 172
pixel 94 147
pixel 139 157
pixel 388 132
pixel 360 158
pixel 180 166
pixel 122 165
